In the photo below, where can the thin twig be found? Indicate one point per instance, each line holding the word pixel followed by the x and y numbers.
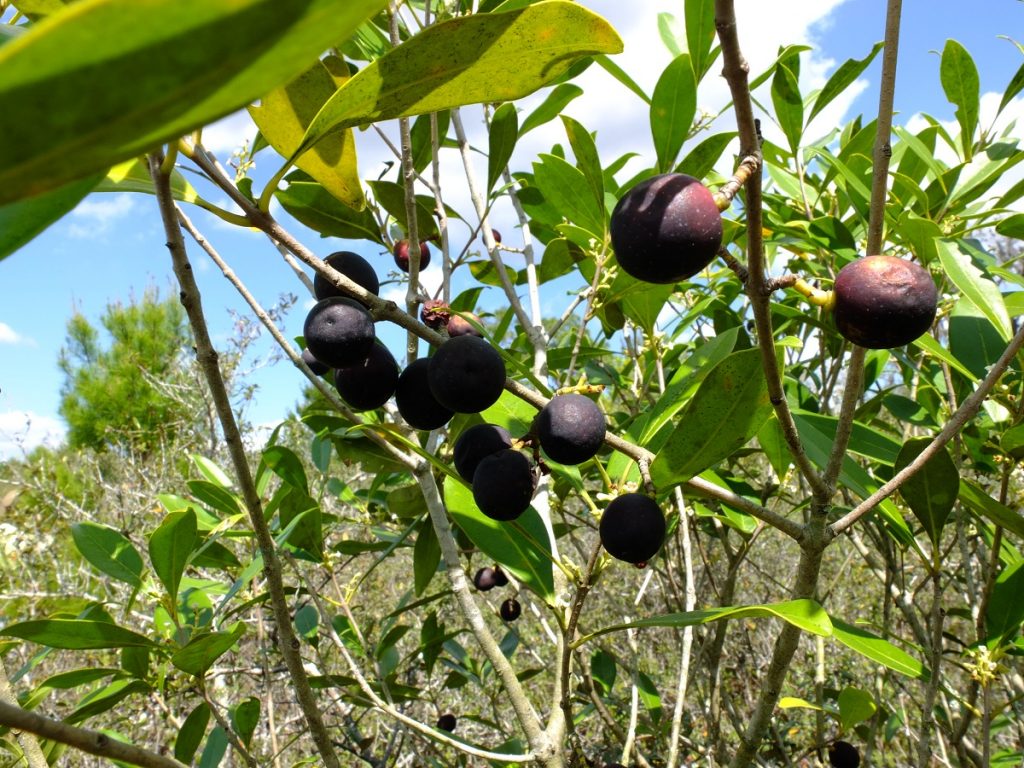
pixel 207 356
pixel 93 742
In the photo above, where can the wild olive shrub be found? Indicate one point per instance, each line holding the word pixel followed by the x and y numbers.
pixel 806 498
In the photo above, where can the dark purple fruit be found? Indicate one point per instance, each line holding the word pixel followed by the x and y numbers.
pixel 842 754
pixel 446 722
pixel 484 580
pixel 496 235
pixel 339 331
pixel 401 254
pixel 476 443
pixel 883 302
pixel 417 405
pixel 354 267
pixel 466 374
pixel 503 485
pixel 570 428
pixel 314 365
pixel 370 383
pixel 666 228
pixel 500 579
pixel 633 528
pixel 510 610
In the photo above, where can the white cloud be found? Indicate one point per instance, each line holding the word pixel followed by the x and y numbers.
pixel 10 336
pixel 228 133
pixel 21 431
pixel 95 215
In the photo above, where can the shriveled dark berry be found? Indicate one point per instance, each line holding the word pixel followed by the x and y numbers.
pixel 503 485
pixel 401 254
pixel 446 722
pixel 484 580
pixel 339 331
pixel 314 365
pixel 415 402
pixel 370 383
pixel 466 374
pixel 666 228
pixel 476 443
pixel 435 314
pixel 510 610
pixel 632 528
pixel 571 428
pixel 883 302
pixel 842 754
pixel 354 267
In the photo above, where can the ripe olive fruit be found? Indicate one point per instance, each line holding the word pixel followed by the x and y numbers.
pixel 483 579
pixel 339 331
pixel 842 754
pixel 666 228
pixel 401 254
pixel 510 610
pixel 476 443
pixel 370 383
pixel 466 374
pixel 632 528
pixel 314 365
pixel 415 402
pixel 446 722
pixel 354 267
pixel 571 428
pixel 500 579
pixel 883 302
pixel 503 485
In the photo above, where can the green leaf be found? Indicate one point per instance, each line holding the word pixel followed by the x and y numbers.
pixel 702 158
pixel 1012 441
pixel 170 546
pixel 199 653
pixel 981 503
pixel 841 79
pixel 512 413
pixel 22 220
pixel 878 650
pixel 1012 226
pixel 286 112
pixel 981 291
pixel 216 497
pixel 700 34
pixel 1005 609
pixel 1012 89
pixel 673 105
pixel 855 706
pixel 959 77
pixel 133 176
pixel 932 491
pixel 109 552
pixel 565 187
pixel 245 716
pixel 501 140
pixel 789 104
pixel 216 747
pixel 319 210
pixel 552 106
pixel 666 22
pixel 587 159
pixel 803 614
pixel 467 60
pixel 729 408
pixel 521 546
pixel 191 733
pixel 106 698
pixel 209 469
pixel 75 634
pixel 426 556
pixel 286 465
pixel 128 76
pixel 620 74
pixel 391 196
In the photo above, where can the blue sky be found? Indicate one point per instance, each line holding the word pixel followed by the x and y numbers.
pixel 111 247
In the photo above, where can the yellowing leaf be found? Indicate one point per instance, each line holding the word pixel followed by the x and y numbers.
pixel 286 112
